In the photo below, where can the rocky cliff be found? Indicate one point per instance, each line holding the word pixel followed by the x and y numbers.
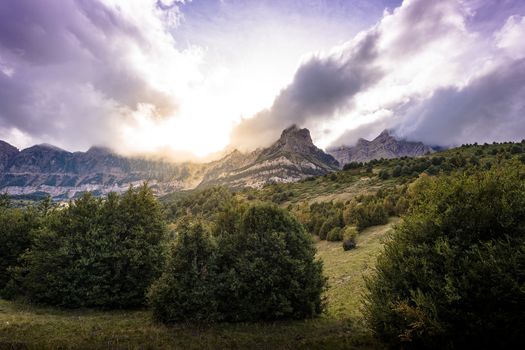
pixel 383 146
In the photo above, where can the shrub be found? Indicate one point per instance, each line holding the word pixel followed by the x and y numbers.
pixel 15 237
pixel 453 274
pixel 327 226
pixel 273 273
pixel 349 237
pixel 185 290
pixel 95 252
pixel 384 174
pixel 334 235
pixel 262 267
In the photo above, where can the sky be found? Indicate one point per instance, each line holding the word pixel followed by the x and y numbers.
pixel 189 79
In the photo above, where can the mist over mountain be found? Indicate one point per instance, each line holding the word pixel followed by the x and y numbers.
pixel 48 169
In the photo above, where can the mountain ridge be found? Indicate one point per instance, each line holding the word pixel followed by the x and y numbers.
pixel 63 174
pixel 385 145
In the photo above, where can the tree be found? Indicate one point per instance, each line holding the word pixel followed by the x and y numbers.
pixel 259 266
pixel 95 252
pixel 453 274
pixel 185 290
pixel 274 274
pixel 16 226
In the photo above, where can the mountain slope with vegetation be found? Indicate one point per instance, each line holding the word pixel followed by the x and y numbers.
pixel 351 217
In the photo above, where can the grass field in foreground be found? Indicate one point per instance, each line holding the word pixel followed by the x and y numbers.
pixel 27 327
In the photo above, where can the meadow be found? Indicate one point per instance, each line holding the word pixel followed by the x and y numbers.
pixel 24 326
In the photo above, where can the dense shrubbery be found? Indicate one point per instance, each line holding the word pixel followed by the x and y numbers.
pixel 185 290
pixel 206 203
pixel 94 252
pixel 259 265
pixel 328 220
pixel 453 275
pixel 15 236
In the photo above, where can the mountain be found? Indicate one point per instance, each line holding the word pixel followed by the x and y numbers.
pixel 291 158
pixel 62 174
pixel 7 152
pixel 383 146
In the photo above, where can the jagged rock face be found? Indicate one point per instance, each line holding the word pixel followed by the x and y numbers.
pixel 45 168
pixel 383 146
pixel 292 158
pixel 297 144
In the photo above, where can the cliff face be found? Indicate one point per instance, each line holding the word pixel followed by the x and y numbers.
pixel 383 146
pixel 291 158
pixel 63 174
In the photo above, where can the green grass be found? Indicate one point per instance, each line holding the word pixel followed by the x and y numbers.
pixel 345 270
pixel 24 326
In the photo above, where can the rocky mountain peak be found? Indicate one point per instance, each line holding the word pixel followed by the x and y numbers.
pixel 384 133
pixel 295 133
pixel 99 150
pixel 6 148
pixel 385 145
pixel 7 152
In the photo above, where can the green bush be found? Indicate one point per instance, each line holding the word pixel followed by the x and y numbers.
pixel 453 274
pixel 262 267
pixel 349 237
pixel 334 235
pixel 95 252
pixel 185 290
pixel 15 237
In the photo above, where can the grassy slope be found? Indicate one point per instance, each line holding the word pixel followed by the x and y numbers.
pixel 27 327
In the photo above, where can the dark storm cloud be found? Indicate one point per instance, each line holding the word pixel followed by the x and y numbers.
pixel 326 85
pixel 69 80
pixel 320 87
pixel 390 57
pixel 490 108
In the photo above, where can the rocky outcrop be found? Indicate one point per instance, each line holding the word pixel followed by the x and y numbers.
pixel 383 146
pixel 291 158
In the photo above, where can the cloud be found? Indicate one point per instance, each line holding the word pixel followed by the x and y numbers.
pixel 490 108
pixel 320 87
pixel 75 71
pixel 424 68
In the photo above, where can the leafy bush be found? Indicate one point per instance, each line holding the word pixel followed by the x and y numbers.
pixel 95 252
pixel 262 267
pixel 349 237
pixel 367 214
pixel 334 235
pixel 332 222
pixel 453 274
pixel 15 237
pixel 185 290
